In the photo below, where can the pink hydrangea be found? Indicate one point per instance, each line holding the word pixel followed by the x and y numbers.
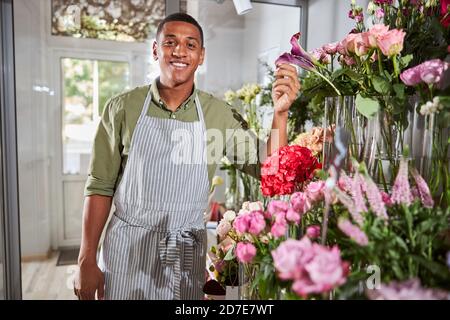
pixel 291 256
pixel 353 232
pixel 245 252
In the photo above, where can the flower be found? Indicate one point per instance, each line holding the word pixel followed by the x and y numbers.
pixel 314 139
pixel 431 71
pixel 245 252
pixel 326 268
pixel 356 190
pixel 298 55
pixel 286 169
pixel 411 76
pixel 217 181
pixel 407 290
pixel 300 202
pixel 291 256
pixel 401 191
pixel 423 190
pixel 279 229
pixel 353 232
pixel 375 198
pixel 330 48
pixel 431 107
pixel 256 222
pixel 229 215
pixel 256 206
pixel 223 228
pixel 241 224
pixel 315 191
pixel 376 31
pixel 313 232
pixel 276 206
pixel 445 9
pixel 293 216
pixel 381 2
pixel 391 42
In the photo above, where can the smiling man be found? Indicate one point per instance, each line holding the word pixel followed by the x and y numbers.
pixel 155 242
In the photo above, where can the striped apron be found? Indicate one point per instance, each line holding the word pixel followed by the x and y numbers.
pixel 155 243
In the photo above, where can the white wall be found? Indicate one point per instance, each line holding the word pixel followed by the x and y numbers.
pixel 328 21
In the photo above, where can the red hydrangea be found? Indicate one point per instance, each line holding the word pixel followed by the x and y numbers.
pixel 287 169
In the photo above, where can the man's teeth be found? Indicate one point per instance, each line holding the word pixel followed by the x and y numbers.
pixel 176 64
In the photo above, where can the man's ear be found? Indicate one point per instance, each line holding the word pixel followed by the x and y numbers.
pixel 155 50
pixel 202 56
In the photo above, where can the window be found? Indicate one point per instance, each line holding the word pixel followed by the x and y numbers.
pixel 87 85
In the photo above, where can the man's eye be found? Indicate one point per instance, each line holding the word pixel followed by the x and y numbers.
pixel 169 43
pixel 191 45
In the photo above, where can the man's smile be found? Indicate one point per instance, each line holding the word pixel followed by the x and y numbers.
pixel 179 64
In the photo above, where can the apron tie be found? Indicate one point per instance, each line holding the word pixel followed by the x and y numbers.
pixel 177 250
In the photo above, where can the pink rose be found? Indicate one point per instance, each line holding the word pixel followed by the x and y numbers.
pixel 350 43
pixel 300 202
pixel 256 222
pixel 341 48
pixel 326 268
pixel 313 232
pixel 223 228
pixel 293 216
pixel 374 32
pixel 391 42
pixel 290 257
pixel 245 252
pixel 362 44
pixel 279 229
pixel 241 223
pixel 314 191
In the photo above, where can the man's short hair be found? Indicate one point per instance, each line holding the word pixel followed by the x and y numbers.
pixel 180 16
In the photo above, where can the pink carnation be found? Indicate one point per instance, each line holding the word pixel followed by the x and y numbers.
pixel 245 252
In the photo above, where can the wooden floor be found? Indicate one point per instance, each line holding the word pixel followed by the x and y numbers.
pixel 43 280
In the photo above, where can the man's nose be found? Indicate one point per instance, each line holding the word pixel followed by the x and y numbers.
pixel 180 50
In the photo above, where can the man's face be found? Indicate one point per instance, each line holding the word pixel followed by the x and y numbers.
pixel 179 51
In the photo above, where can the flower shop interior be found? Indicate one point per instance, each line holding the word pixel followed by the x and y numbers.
pixel 358 208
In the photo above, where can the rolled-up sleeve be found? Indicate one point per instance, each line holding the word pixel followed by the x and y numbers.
pixel 107 148
pixel 244 148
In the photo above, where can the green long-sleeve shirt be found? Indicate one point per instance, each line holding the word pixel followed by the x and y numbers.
pixel 226 131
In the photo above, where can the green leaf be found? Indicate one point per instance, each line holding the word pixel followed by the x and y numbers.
pixel 230 254
pixel 406 60
pixel 366 106
pixel 381 85
pixel 399 90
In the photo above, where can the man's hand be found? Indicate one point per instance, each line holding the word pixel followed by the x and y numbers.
pixel 285 88
pixel 88 280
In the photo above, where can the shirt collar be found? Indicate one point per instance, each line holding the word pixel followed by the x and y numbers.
pixel 156 98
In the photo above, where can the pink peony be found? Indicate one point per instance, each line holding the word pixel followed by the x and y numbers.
pixel 276 206
pixel 314 191
pixel 245 252
pixel 300 202
pixel 293 216
pixel 241 223
pixel 391 42
pixel 291 256
pixel 279 229
pixel 326 269
pixel 256 223
pixel 313 232
pixel 223 228
pixel 353 232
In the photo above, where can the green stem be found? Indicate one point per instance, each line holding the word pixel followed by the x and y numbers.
pixel 329 82
pixel 396 68
pixel 380 66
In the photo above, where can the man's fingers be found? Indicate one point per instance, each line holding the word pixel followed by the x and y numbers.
pixel 287 83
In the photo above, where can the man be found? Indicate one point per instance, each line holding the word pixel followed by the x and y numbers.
pixel 154 246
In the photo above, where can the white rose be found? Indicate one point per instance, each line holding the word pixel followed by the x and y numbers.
pixel 229 215
pixel 223 228
pixel 255 206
